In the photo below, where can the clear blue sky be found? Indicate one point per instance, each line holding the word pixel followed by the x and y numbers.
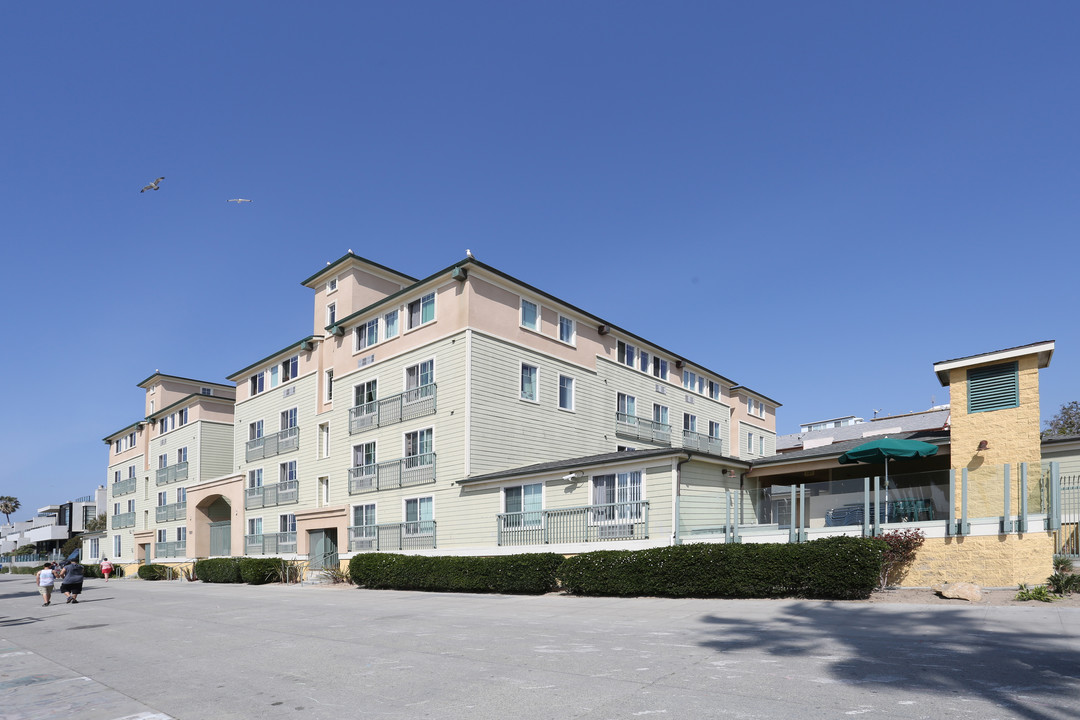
pixel 818 200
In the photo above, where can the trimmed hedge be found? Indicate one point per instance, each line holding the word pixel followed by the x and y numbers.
pixel 830 568
pixel 525 574
pixel 153 572
pixel 218 570
pixel 259 571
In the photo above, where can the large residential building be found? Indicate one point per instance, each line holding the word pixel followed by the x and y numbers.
pixel 53 525
pixel 464 412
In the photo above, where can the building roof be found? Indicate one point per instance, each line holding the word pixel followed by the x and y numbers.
pixel 309 282
pixel 589 461
pixel 936 437
pixel 122 431
pixel 1044 349
pixel 163 376
pixel 925 420
pixel 288 347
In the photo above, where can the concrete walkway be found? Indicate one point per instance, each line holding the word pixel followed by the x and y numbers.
pixel 134 649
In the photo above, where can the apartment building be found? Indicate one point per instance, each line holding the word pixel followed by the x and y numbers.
pixel 184 437
pixel 466 412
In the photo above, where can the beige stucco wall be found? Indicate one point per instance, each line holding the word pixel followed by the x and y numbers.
pixel 989 561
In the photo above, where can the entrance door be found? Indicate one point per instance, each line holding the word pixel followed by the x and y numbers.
pixel 221 538
pixel 146 553
pixel 323 551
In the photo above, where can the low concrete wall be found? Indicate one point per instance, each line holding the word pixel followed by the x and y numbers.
pixel 989 561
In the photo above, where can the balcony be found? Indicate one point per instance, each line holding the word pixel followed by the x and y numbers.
pixel 123 487
pixel 641 429
pixel 409 405
pixel 271 445
pixel 704 443
pixel 270 543
pixel 167 513
pixel 172 473
pixel 589 523
pixel 170 549
pixel 392 536
pixel 268 495
pixel 123 520
pixel 405 472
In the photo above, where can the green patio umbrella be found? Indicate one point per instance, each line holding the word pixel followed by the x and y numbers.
pixel 880 451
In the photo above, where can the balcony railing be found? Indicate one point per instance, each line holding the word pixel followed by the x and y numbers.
pixel 123 487
pixel 405 472
pixel 704 443
pixel 642 429
pixel 392 536
pixel 589 523
pixel 408 405
pixel 170 549
pixel 123 520
pixel 283 493
pixel 270 543
pixel 172 473
pixel 166 513
pixel 271 445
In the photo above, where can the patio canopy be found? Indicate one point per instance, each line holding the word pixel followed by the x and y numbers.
pixel 881 450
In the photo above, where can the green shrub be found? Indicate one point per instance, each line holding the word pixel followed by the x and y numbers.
pixel 1063 583
pixel 17 570
pixel 1063 564
pixel 1039 592
pixel 527 573
pixel 154 572
pixel 259 571
pixel 836 567
pixel 218 570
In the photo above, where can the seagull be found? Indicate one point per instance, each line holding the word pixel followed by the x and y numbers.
pixel 152 186
pixel 468 253
pixel 238 200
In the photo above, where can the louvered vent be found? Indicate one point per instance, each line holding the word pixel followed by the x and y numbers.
pixel 993 388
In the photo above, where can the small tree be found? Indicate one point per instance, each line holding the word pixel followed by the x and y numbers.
pixel 902 547
pixel 8 505
pixel 1066 422
pixel 71 545
pixel 96 524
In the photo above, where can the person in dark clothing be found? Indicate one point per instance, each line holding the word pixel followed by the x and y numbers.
pixel 71 581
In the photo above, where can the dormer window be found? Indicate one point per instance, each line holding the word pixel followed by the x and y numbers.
pixel 331 286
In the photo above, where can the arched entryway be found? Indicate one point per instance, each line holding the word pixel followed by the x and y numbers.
pixel 215 518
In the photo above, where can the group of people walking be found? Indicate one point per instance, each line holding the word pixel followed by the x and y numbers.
pixel 71 575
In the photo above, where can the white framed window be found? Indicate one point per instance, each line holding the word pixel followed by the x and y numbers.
pixel 256 384
pixel 761 445
pixel 181 495
pixel 288 419
pixel 530 315
pixel 255 478
pixel 275 376
pixel 627 405
pixel 644 361
pixel 118 444
pixel 567 330
pixel 659 367
pixel 660 414
pixel 530 376
pixel 116 476
pixel 131 436
pixel 255 430
pixel 693 382
pixel 287 523
pixel 163 461
pixel 331 313
pixel 390 325
pixel 206 391
pixel 689 422
pixel 714 429
pixel 329 386
pixel 254 526
pixel 419 515
pixel 182 417
pixel 365 392
pixel 366 334
pixel 566 392
pixel 749 442
pixel 151 407
pixel 290 368
pixel 181 455
pixel 162 498
pixel 131 472
pixel 324 440
pixel 181 534
pixel 324 492
pixel 287 471
pixel 364 457
pixel 418 380
pixel 95 548
pixel 421 311
pixel 626 354
pixel 131 505
pixel 714 390
pixel 364 516
pixel 618 496
pixel 418 445
pixel 523 505
pixel 331 285
pixel 116 546
pixel 162 536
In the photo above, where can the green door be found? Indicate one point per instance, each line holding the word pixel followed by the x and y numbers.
pixel 323 549
pixel 221 539
pixel 146 554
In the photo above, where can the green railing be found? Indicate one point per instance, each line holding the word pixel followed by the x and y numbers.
pixel 271 445
pixel 704 443
pixel 642 429
pixel 408 405
pixel 123 487
pixel 392 536
pixel 123 520
pixel 167 513
pixel 172 473
pixel 588 523
pixel 270 543
pixel 170 549
pixel 283 493
pixel 404 472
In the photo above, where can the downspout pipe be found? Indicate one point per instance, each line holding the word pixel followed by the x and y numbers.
pixel 676 493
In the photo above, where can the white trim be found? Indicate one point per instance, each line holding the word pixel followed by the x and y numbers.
pixel 1044 350
pixel 536 383
pixel 539 314
pixel 558 329
pixel 434 293
pixel 468 402
pixel 573 393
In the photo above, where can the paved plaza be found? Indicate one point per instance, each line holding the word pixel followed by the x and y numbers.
pixel 134 649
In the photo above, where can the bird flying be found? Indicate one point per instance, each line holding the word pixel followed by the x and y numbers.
pixel 238 200
pixel 153 185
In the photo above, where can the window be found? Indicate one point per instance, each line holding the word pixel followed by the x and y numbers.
pixel 324 440
pixel 324 492
pixel 181 534
pixel 530 315
pixel 693 382
pixel 162 498
pixel 256 384
pixel 367 334
pixel 421 311
pixel 659 414
pixel 162 536
pixel 390 325
pixel 566 393
pixel 365 393
pixel 162 461
pixel 528 382
pixel 329 386
pixel 255 478
pixel 254 526
pixel 364 457
pixel 627 405
pixel 290 368
pixel 994 387
pixel 288 419
pixel 417 376
pixel 689 422
pixel 95 547
pixel 619 496
pixel 131 505
pixel 166 424
pixel 624 448
pixel 643 361
pixel 181 455
pixel 659 368
pixel 116 546
pixel 331 313
pixel 255 430
pixel 131 436
pixel 275 376
pixel 523 505
pixel 749 442
pixel 761 444
pixel 714 429
pixel 206 391
pixel 567 331
pixel 364 516
pixel 287 471
pixel 331 285
pixel 118 444
pixel 626 353
pixel 418 448
pixel 182 417
pixel 131 472
pixel 116 476
pixel 419 514
pixel 181 495
pixel 714 390
pixel 287 523
pixel 116 509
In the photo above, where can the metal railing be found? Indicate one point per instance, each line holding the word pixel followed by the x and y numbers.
pixel 404 472
pixel 170 549
pixel 393 536
pixel 176 511
pixel 172 473
pixel 704 443
pixel 408 405
pixel 123 520
pixel 283 493
pixel 123 487
pixel 270 543
pixel 642 429
pixel 588 523
pixel 281 442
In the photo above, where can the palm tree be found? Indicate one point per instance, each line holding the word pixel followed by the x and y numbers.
pixel 8 505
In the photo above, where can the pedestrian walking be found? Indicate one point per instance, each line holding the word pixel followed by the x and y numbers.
pixel 71 581
pixel 45 579
pixel 106 568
